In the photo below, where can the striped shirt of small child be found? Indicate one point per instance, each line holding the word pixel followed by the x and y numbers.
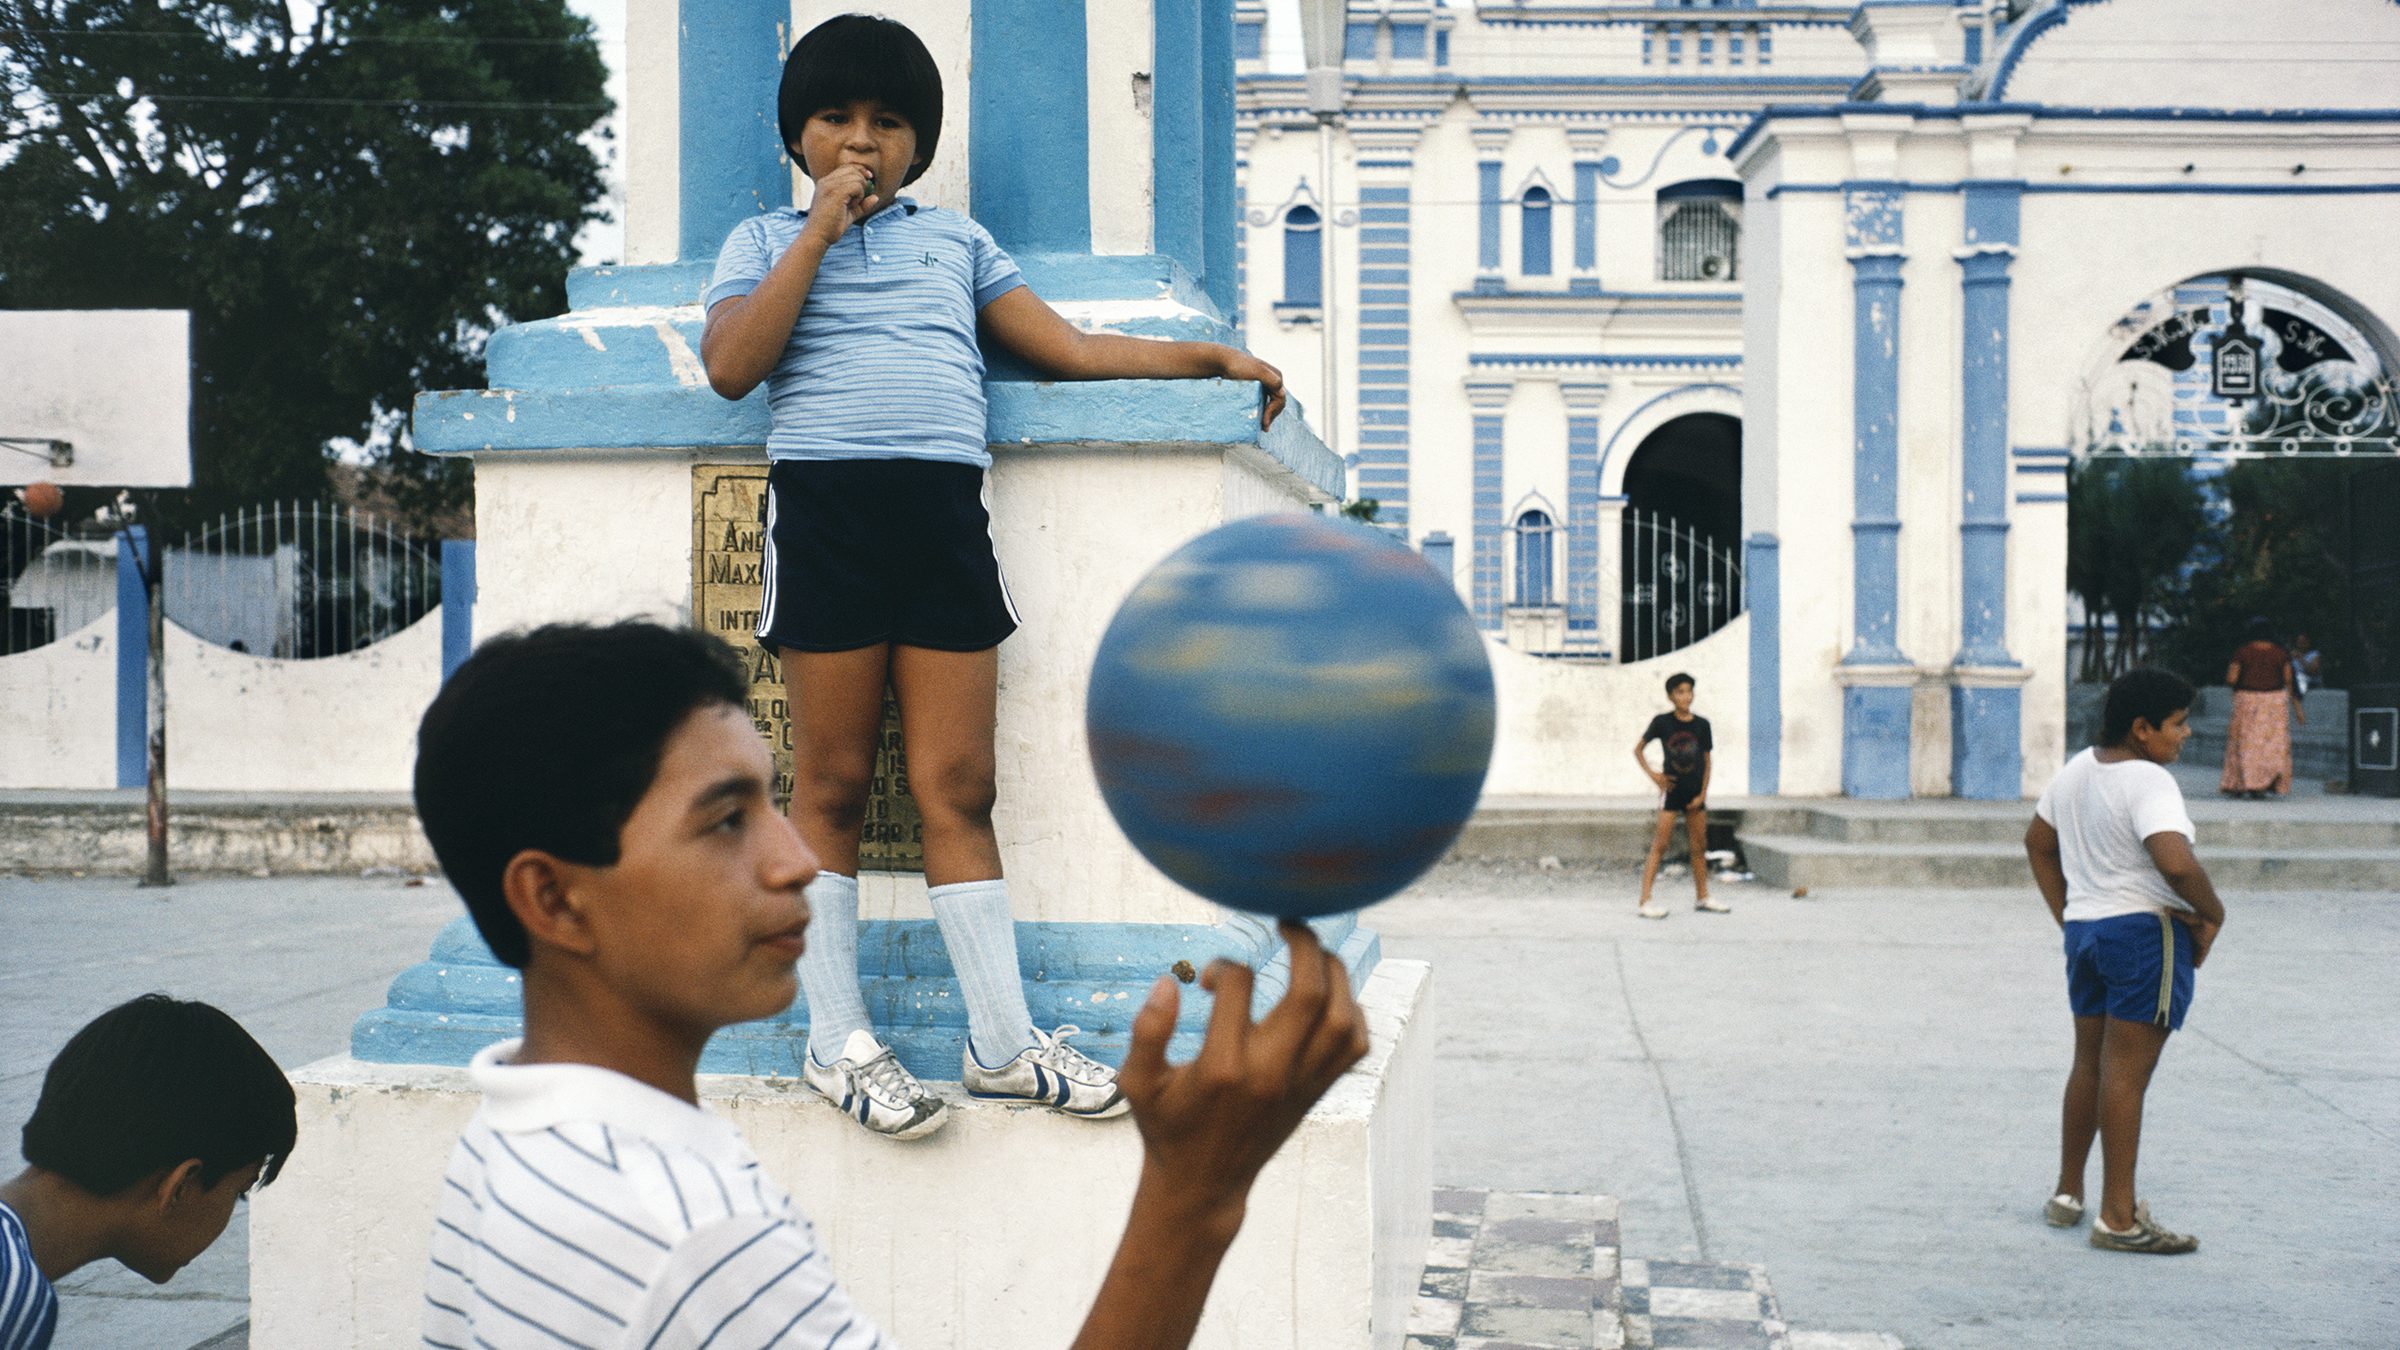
pixel 585 1209
pixel 28 1305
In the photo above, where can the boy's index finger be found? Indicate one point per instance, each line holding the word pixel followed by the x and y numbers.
pixel 1229 984
pixel 1295 1018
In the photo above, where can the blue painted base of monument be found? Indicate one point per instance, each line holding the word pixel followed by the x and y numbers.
pixel 1875 742
pixel 1092 975
pixel 1987 762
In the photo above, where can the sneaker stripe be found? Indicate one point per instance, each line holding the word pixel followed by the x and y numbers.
pixel 1065 1085
pixel 1041 1083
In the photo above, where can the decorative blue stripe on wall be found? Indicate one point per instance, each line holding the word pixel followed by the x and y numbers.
pixel 1382 367
pixel 1587 213
pixel 458 603
pixel 1035 120
pixel 729 59
pixel 1583 519
pixel 1486 558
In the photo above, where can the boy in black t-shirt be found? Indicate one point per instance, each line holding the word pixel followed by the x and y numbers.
pixel 1684 746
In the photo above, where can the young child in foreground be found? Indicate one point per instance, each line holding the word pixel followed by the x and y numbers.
pixel 646 885
pixel 2111 849
pixel 861 315
pixel 1687 759
pixel 153 1122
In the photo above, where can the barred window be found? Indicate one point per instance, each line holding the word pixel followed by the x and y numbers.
pixel 1534 532
pixel 1699 231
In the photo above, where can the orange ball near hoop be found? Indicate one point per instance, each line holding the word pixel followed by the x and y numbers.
pixel 42 500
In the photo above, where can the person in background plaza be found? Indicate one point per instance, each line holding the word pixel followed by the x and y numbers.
pixel 1686 752
pixel 651 893
pixel 2308 665
pixel 2258 740
pixel 861 315
pixel 2111 850
pixel 153 1122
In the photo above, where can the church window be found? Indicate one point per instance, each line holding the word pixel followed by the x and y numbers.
pixel 1699 231
pixel 1534 531
pixel 1536 232
pixel 1303 258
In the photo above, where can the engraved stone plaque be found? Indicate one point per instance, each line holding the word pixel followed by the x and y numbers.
pixel 728 523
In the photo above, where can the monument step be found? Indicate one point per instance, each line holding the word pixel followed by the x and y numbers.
pixel 2290 824
pixel 1533 1270
pixel 1809 860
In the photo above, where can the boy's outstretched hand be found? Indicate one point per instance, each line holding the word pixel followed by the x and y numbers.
pixel 1241 365
pixel 1209 1126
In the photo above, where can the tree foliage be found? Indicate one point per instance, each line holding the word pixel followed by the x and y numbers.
pixel 348 197
pixel 2132 528
pixel 2282 554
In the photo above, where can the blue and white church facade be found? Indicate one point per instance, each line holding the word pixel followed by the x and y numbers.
pixel 1668 329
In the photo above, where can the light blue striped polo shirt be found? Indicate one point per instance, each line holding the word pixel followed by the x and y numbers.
pixel 883 362
pixel 28 1305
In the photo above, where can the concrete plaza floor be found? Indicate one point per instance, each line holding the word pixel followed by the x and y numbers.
pixel 1858 1089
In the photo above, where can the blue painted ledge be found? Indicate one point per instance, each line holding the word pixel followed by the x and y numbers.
pixel 1094 975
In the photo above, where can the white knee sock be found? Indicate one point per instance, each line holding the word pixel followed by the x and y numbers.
pixel 982 937
pixel 829 968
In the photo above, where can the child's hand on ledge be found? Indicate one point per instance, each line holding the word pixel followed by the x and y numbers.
pixel 1241 365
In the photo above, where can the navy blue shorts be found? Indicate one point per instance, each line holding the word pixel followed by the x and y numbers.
pixel 2133 967
pixel 865 551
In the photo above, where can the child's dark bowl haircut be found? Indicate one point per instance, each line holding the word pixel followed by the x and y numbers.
pixel 547 740
pixel 1677 681
pixel 155 1083
pixel 2148 693
pixel 861 56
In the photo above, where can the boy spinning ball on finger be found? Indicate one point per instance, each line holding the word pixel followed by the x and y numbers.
pixel 646 886
pixel 861 315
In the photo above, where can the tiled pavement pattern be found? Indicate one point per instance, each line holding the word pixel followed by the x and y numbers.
pixel 1535 1271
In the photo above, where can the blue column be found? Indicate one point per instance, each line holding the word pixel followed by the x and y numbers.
pixel 133 660
pixel 1383 342
pixel 1177 145
pixel 458 603
pixel 1587 220
pixel 1583 525
pixel 1487 216
pixel 1762 591
pixel 1486 558
pixel 729 60
pixel 1986 756
pixel 1220 217
pixel 1875 703
pixel 1032 154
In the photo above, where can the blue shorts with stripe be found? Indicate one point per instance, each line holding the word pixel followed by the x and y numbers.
pixel 2133 967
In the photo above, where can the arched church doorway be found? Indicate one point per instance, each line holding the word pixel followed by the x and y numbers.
pixel 2229 426
pixel 1680 535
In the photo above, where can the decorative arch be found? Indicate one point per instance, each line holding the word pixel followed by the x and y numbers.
pixel 1659 410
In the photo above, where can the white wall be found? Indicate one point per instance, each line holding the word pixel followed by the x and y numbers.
pixel 348 723
pixel 61 725
pixel 1568 728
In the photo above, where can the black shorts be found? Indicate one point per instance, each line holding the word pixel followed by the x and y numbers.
pixel 862 551
pixel 1680 794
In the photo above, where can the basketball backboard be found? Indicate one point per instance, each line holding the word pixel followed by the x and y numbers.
pixel 96 397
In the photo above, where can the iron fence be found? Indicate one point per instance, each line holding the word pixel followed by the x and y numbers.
pixel 51 583
pixel 300 580
pixel 1680 585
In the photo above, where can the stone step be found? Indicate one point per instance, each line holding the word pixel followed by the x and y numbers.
pixel 2279 825
pixel 1529 1270
pixel 1807 860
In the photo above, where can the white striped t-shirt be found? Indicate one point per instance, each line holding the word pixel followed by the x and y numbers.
pixel 883 362
pixel 585 1209
pixel 28 1305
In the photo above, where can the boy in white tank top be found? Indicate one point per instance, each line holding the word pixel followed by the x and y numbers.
pixel 2111 849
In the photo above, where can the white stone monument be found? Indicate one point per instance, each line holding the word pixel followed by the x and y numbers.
pixel 610 481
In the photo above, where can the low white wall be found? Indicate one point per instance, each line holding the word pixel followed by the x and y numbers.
pixel 1328 1259
pixel 335 724
pixel 1567 728
pixel 60 730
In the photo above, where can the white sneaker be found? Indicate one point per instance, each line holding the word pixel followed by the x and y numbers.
pixel 870 1087
pixel 1053 1073
pixel 1652 911
pixel 1709 904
